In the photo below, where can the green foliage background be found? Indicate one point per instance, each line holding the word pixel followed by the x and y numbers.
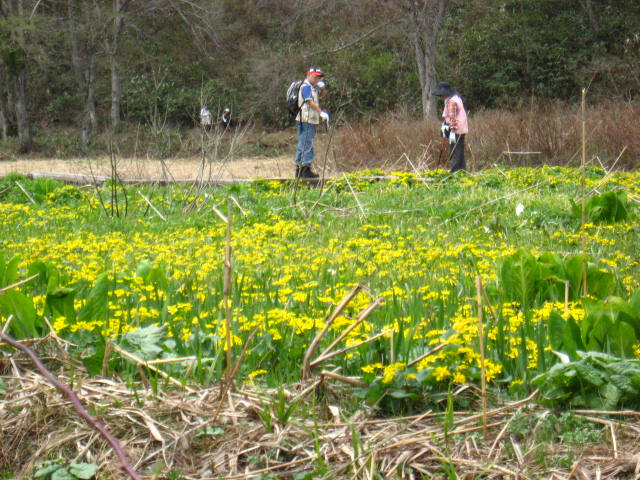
pixel 171 60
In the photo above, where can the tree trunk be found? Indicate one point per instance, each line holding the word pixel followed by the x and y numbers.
pixel 16 75
pixel 3 105
pixel 426 18
pixel 116 87
pixel 588 8
pixel 20 106
pixel 116 93
pixel 82 60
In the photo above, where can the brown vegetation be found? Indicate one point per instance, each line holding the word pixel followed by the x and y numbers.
pixel 547 134
pixel 539 135
pixel 194 433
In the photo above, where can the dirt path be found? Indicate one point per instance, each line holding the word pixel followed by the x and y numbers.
pixel 144 169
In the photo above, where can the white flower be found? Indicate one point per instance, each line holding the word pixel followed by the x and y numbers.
pixel 519 209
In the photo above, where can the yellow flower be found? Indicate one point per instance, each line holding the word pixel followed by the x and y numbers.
pixel 372 368
pixel 390 371
pixel 459 378
pixel 440 373
pixel 60 324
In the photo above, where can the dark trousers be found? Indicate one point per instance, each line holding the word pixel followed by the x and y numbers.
pixel 456 154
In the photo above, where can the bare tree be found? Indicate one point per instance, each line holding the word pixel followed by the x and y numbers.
pixel 113 45
pixel 15 60
pixel 588 8
pixel 83 33
pixel 426 18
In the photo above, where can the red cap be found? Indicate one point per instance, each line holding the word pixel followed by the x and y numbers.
pixel 315 71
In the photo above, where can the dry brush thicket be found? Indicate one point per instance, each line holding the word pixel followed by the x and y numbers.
pixel 539 135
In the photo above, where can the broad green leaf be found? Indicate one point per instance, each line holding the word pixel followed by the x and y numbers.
pixel 8 270
pixel 90 347
pixel 25 323
pixel 400 394
pixel 600 284
pixel 556 326
pixel 97 304
pixel 62 474
pixel 621 339
pixel 594 331
pixel 144 269
pixel 609 398
pixel 48 468
pixel 145 342
pixel 623 311
pixel 84 471
pixel 589 374
pixel 634 301
pixel 520 275
pixel 608 207
pixel 564 335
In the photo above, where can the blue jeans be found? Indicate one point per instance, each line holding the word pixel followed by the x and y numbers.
pixel 306 134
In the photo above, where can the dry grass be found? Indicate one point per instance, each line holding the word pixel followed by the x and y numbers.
pixel 180 432
pixel 541 134
pixel 534 136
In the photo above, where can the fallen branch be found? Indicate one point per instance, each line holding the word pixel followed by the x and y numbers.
pixel 82 411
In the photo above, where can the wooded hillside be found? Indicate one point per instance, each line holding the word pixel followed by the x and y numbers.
pixel 94 66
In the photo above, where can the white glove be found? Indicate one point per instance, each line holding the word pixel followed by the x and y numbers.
pixel 324 116
pixel 452 137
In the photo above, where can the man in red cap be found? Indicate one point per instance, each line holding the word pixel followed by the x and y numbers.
pixel 307 119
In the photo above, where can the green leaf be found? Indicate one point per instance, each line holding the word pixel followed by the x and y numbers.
pixel 608 207
pixel 144 269
pixel 610 396
pixel 621 338
pixel 90 347
pixel 556 330
pixel 8 270
pixel 589 374
pixel 48 468
pixel 574 268
pixel 84 471
pixel 520 275
pixel 62 474
pixel 564 335
pixel 97 304
pixel 634 301
pixel 25 323
pixel 145 342
pixel 400 394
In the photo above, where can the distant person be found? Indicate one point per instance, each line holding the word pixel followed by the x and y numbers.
pixel 205 118
pixel 454 125
pixel 225 119
pixel 308 118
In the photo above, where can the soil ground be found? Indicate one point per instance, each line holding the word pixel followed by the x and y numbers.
pixel 151 169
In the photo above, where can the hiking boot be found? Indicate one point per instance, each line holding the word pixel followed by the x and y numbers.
pixel 306 172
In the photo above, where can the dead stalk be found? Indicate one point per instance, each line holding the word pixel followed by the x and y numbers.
pixel 306 367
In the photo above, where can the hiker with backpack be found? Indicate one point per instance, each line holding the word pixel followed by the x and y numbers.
pixel 454 126
pixel 308 116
